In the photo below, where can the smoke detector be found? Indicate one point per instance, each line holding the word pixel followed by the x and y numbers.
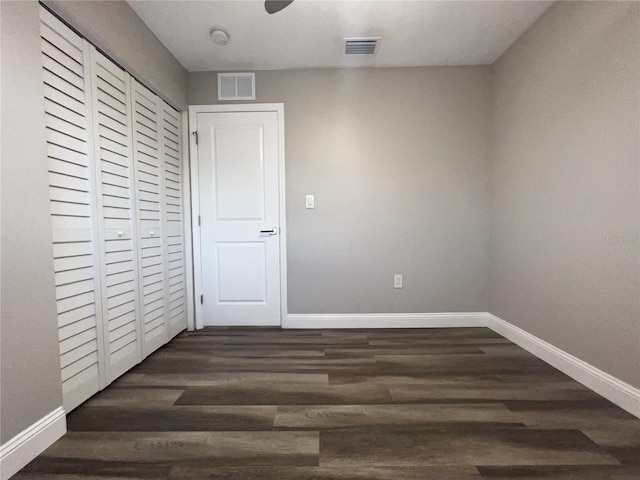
pixel 219 36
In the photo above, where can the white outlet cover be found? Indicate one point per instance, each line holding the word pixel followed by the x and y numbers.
pixel 397 280
pixel 310 202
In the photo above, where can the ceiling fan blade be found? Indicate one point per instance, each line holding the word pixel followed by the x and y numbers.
pixel 274 6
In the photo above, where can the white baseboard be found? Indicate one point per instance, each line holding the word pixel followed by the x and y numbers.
pixel 30 443
pixel 386 320
pixel 610 387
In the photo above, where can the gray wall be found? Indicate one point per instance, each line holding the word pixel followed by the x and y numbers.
pixel 30 382
pixel 565 184
pixel 398 162
pixel 119 32
pixel 30 364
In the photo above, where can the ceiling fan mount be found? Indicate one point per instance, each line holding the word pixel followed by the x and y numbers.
pixel 274 6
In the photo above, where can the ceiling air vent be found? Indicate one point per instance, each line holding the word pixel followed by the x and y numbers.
pixel 236 86
pixel 361 46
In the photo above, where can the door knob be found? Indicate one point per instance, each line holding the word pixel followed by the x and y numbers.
pixel 271 231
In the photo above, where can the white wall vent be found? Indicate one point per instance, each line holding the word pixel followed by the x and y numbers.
pixel 236 86
pixel 361 46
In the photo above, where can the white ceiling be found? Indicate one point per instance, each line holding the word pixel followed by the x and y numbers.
pixel 310 33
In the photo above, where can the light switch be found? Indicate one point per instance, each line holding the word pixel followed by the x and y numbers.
pixel 310 202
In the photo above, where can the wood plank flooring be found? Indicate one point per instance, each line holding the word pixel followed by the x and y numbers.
pixel 250 403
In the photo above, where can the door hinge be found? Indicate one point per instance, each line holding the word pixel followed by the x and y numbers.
pixel 196 135
pixel 201 299
pixel 198 220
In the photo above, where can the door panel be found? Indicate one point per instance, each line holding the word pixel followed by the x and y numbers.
pixel 147 131
pixel 239 173
pixel 115 192
pixel 73 209
pixel 242 272
pixel 173 214
pixel 239 198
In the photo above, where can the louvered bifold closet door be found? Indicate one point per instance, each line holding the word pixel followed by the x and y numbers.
pixel 174 228
pixel 148 175
pixel 112 124
pixel 73 209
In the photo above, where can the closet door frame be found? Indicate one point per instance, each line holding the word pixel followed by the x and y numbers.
pixel 187 225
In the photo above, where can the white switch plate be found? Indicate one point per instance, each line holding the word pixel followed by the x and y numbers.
pixel 310 202
pixel 397 280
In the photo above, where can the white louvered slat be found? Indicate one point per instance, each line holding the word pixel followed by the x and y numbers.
pixel 67 155
pixel 64 113
pixel 58 64
pixel 75 315
pixel 172 206
pixel 69 345
pixel 71 263
pixel 79 365
pixel 69 151
pixel 52 49
pixel 148 173
pixel 66 168
pixel 112 122
pixel 66 84
pixel 71 230
pixel 56 96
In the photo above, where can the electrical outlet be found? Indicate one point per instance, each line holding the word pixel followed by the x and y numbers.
pixel 310 202
pixel 397 280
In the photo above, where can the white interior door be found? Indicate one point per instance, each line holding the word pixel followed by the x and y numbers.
pixel 238 158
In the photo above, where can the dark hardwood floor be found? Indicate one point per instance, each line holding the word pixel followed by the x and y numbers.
pixel 249 403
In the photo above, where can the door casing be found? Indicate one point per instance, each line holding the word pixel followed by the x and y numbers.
pixel 194 110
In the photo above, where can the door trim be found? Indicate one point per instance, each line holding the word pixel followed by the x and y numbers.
pixel 187 217
pixel 194 110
